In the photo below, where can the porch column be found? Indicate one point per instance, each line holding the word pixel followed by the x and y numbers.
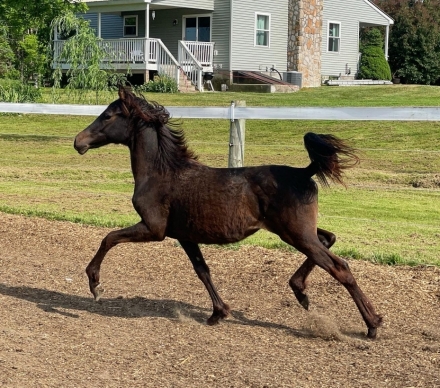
pixel 387 33
pixel 99 25
pixel 147 43
pixel 147 21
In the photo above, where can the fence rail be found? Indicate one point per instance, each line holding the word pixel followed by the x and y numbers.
pixel 233 112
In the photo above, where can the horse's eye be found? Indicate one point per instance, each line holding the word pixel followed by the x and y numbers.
pixel 107 116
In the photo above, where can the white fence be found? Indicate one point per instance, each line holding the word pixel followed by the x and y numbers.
pixel 233 112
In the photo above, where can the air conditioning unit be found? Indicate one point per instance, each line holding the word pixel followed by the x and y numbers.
pixel 293 77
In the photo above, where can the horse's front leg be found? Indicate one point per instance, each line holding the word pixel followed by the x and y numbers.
pixel 135 233
pixel 220 309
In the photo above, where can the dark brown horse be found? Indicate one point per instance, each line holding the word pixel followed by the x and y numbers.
pixel 177 196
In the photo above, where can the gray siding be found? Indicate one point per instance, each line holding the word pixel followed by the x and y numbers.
pixel 349 13
pixel 93 19
pixel 244 54
pixel 221 27
pixel 238 52
pixel 111 25
pixel 199 4
pixel 162 26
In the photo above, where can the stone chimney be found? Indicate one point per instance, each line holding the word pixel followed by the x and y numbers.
pixel 304 40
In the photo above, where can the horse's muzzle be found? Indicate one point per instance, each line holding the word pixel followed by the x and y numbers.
pixel 81 148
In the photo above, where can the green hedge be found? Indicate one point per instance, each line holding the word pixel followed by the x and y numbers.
pixel 373 64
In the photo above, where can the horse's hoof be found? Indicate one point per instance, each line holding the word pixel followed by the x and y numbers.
pixel 217 315
pixel 372 331
pixel 305 302
pixel 97 292
pixel 303 299
pixel 211 321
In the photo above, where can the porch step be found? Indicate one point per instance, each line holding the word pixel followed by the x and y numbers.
pixel 185 85
pixel 357 82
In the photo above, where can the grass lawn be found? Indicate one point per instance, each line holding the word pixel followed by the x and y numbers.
pixel 389 212
pixel 395 95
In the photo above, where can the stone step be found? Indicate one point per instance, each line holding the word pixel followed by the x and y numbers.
pixel 357 82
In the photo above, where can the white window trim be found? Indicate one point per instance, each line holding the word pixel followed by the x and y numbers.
pixel 328 36
pixel 137 26
pixel 197 15
pixel 255 29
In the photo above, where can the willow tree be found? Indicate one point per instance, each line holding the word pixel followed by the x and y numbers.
pixel 85 54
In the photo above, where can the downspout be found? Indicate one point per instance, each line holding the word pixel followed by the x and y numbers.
pixel 230 41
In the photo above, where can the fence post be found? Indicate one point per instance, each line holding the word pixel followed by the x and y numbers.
pixel 236 138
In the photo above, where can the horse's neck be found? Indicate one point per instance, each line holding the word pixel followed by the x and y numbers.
pixel 143 152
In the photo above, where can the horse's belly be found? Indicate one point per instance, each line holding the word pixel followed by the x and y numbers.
pixel 219 228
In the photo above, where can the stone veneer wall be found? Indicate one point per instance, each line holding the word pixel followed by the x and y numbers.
pixel 304 40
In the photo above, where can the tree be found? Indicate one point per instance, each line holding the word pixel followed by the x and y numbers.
pixel 373 64
pixel 24 18
pixel 32 57
pixel 85 54
pixel 7 57
pixel 414 49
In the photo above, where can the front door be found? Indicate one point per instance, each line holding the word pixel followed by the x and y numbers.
pixel 197 28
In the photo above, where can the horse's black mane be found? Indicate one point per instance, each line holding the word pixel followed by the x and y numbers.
pixel 173 152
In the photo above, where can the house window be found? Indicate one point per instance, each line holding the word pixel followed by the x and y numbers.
pixel 334 36
pixel 131 25
pixel 262 29
pixel 197 28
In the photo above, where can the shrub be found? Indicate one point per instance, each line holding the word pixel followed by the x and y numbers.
pixel 16 91
pixel 159 84
pixel 373 64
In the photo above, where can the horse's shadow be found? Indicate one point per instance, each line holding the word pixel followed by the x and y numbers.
pixel 137 307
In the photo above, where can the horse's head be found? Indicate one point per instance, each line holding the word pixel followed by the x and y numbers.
pixel 111 126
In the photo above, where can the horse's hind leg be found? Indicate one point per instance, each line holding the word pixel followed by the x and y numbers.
pixel 298 280
pixel 220 309
pixel 339 269
pixel 309 244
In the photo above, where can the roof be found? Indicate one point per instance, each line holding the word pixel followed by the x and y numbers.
pixel 377 9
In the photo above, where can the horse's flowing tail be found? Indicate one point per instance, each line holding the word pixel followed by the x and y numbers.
pixel 329 156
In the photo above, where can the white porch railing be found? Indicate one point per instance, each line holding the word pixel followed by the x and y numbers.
pixel 152 54
pixel 202 51
pixel 131 50
pixel 166 63
pixel 190 65
pixel 122 50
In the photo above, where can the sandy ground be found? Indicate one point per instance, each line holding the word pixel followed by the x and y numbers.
pixel 149 329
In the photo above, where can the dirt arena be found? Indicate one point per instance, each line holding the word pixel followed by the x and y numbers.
pixel 149 329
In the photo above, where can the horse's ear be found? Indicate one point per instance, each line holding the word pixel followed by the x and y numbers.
pixel 122 92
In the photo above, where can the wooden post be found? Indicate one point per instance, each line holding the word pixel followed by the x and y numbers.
pixel 236 139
